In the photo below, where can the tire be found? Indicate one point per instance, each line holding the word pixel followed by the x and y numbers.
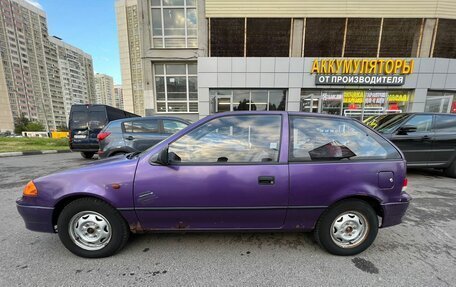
pixel 451 170
pixel 87 155
pixel 91 228
pixel 347 228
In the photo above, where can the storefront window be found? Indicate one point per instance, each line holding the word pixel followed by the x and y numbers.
pixel 224 100
pixel 440 102
pixel 358 104
pixel 176 88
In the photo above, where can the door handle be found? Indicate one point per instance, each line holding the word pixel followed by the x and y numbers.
pixel 130 138
pixel 266 180
pixel 426 137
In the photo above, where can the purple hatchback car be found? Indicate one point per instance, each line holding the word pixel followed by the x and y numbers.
pixel 252 171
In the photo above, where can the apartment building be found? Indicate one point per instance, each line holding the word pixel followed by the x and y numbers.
pixel 43 74
pixel 118 97
pixel 201 57
pixel 75 73
pixel 104 90
pixel 130 39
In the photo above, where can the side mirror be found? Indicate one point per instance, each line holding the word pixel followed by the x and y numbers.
pixel 406 129
pixel 162 157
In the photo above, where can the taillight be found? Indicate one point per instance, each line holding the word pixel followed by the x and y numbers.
pixel 404 184
pixel 101 136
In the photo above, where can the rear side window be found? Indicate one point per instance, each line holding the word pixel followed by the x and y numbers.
pixel 445 124
pixel 171 126
pixel 324 139
pixel 145 126
pixel 113 127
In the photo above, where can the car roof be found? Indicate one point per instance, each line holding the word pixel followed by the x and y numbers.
pixel 279 113
pixel 150 117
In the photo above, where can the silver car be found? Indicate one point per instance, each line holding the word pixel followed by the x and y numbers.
pixel 136 134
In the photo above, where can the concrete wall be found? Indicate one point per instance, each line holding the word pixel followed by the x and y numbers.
pixel 293 74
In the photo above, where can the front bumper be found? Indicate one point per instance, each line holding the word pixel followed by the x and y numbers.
pixel 394 211
pixel 36 218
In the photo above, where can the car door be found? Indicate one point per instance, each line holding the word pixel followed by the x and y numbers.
pixel 444 140
pixel 223 174
pixel 334 158
pixel 142 134
pixel 414 139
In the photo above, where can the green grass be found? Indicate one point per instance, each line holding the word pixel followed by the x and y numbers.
pixel 32 144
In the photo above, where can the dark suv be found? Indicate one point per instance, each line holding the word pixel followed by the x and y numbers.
pixel 426 139
pixel 136 134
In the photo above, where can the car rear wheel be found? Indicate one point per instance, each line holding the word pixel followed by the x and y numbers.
pixel 91 228
pixel 347 228
pixel 87 155
pixel 451 170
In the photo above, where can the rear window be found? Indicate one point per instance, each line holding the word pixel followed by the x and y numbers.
pixel 171 126
pixel 323 139
pixel 445 124
pixel 97 119
pixel 79 119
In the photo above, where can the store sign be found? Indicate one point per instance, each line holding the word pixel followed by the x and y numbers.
pixel 372 72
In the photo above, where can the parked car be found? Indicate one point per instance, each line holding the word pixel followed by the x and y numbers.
pixel 426 139
pixel 231 171
pixel 136 134
pixel 86 121
pixel 374 121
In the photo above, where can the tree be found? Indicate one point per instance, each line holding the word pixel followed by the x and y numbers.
pixel 20 124
pixel 34 127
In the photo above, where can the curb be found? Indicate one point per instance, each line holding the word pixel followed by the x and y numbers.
pixel 35 152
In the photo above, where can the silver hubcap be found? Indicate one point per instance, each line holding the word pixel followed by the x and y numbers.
pixel 90 230
pixel 349 229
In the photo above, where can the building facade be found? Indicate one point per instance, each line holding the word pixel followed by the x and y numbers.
pixel 104 90
pixel 339 57
pixel 129 33
pixel 32 66
pixel 75 73
pixel 118 97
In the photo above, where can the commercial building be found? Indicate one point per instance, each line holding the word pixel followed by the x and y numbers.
pixel 118 97
pixel 128 29
pixel 31 68
pixel 104 89
pixel 339 57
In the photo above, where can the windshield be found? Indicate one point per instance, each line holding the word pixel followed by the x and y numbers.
pixel 391 123
pixel 79 120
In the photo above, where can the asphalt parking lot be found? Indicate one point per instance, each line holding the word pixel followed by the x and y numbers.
pixel 420 252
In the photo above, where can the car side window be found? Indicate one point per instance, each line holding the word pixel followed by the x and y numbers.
pixel 445 124
pixel 422 123
pixel 324 139
pixel 231 139
pixel 171 126
pixel 144 126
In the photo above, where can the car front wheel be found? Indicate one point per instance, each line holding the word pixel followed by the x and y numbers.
pixel 347 228
pixel 91 228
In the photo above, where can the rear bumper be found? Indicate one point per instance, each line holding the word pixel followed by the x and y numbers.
pixel 394 212
pixel 36 218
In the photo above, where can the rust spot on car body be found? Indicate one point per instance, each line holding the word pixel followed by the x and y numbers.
pixel 136 228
